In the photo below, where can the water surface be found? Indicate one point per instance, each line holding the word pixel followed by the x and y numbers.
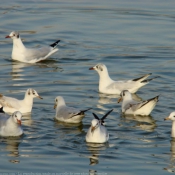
pixel 132 39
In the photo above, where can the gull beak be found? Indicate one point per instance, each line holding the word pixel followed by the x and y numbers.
pixel 55 106
pixel 39 97
pixel 91 68
pixel 7 36
pixel 120 99
pixel 19 122
pixel 92 129
pixel 167 118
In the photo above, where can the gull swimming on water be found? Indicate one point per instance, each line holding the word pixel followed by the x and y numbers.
pixel 130 106
pixel 98 133
pixel 10 105
pixel 67 114
pixel 11 125
pixel 109 86
pixel 30 55
pixel 172 117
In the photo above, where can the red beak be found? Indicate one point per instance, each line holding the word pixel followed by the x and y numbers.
pixel 7 36
pixel 91 68
pixel 19 122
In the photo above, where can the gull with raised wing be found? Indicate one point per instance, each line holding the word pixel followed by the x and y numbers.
pixel 30 55
pixel 130 106
pixel 11 125
pixel 98 133
pixel 109 86
pixel 10 105
pixel 172 117
pixel 67 114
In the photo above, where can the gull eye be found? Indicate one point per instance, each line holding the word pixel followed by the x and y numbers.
pixel 13 34
pixel 56 100
pixel 33 93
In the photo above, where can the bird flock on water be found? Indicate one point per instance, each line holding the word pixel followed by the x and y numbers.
pixel 13 109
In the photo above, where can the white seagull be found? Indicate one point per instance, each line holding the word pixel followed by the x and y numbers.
pixel 172 117
pixel 67 114
pixel 10 105
pixel 30 55
pixel 109 86
pixel 97 133
pixel 130 106
pixel 11 125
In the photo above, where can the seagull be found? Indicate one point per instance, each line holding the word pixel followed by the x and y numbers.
pixel 172 117
pixel 10 105
pixel 11 125
pixel 67 114
pixel 30 55
pixel 130 106
pixel 97 133
pixel 109 86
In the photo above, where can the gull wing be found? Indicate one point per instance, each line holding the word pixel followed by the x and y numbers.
pixel 68 112
pixel 9 102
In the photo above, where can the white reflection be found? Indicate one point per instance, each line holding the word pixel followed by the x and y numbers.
pixel 143 122
pixel 108 99
pixel 27 120
pixel 11 147
pixel 19 68
pixel 171 167
pixel 94 149
pixel 68 128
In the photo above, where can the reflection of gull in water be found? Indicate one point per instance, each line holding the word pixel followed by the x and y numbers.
pixel 27 120
pixel 12 148
pixel 143 122
pixel 19 68
pixel 73 128
pixel 171 166
pixel 108 99
pixel 94 149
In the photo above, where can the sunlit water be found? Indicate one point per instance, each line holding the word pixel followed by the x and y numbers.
pixel 132 39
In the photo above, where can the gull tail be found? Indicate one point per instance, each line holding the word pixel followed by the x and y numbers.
pixel 1 110
pixel 140 79
pixel 154 100
pixel 55 44
pixel 148 80
pixel 85 110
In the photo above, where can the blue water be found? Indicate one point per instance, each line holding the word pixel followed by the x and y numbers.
pixel 132 38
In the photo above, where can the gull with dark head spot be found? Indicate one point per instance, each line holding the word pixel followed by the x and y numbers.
pixel 98 133
pixel 30 55
pixel 172 117
pixel 130 106
pixel 11 125
pixel 10 105
pixel 109 86
pixel 67 114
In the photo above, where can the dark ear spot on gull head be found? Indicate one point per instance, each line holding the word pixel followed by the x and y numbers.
pixel 100 68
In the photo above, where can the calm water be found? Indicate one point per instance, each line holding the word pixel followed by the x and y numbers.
pixel 132 39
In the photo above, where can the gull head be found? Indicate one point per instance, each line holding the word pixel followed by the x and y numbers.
pixel 171 116
pixel 94 125
pixel 59 101
pixel 17 117
pixel 100 68
pixel 13 35
pixel 125 94
pixel 32 93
